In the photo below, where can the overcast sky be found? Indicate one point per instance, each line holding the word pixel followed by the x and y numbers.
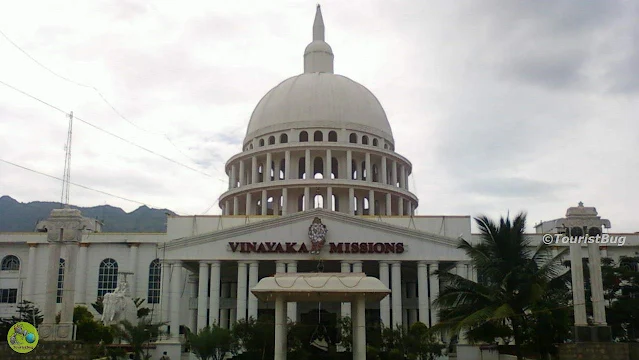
pixel 500 106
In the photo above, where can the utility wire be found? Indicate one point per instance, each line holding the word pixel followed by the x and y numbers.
pixel 106 131
pixel 76 184
pixel 97 91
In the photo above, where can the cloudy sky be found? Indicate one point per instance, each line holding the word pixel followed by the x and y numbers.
pixel 501 106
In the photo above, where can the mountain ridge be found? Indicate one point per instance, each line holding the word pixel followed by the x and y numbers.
pixel 16 216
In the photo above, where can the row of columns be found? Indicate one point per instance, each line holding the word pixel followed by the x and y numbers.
pixel 391 309
pixel 232 206
pixel 240 176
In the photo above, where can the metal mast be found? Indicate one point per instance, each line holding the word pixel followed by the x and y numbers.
pixel 66 178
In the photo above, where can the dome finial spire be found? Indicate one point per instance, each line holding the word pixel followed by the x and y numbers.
pixel 318 25
pixel 318 56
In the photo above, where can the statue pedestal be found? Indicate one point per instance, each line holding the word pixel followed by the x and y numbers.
pixel 57 332
pixel 596 333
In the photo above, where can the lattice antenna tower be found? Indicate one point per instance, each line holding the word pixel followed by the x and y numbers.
pixel 66 178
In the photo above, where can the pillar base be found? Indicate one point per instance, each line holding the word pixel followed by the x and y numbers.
pixel 57 332
pixel 596 333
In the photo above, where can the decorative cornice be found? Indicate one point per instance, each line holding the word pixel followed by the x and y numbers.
pixel 310 214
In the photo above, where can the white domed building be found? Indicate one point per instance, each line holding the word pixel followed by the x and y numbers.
pixel 319 148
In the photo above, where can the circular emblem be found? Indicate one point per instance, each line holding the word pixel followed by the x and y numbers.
pixel 22 337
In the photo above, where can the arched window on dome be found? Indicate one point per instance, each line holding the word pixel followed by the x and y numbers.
pixel 269 206
pixel 283 139
pixel 260 174
pixel 332 136
pixel 352 138
pixel 365 140
pixel 58 298
pixel 375 142
pixel 355 205
pixel 301 166
pixel 271 171
pixel 107 276
pixel 335 205
pixel 301 203
pixel 354 167
pixel 366 207
pixel 155 279
pixel 271 140
pixel 318 201
pixel 281 175
pixel 303 136
pixel 251 146
pixel 318 136
pixel 334 168
pixel 261 142
pixel 385 146
pixel 318 168
pixel 375 173
pixel 10 263
pixel 364 171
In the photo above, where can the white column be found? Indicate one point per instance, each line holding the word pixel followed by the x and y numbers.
pixel 81 275
pixel 400 206
pixel 202 295
pixel 383 175
pixel 49 312
pixel 276 168
pixel 249 204
pixel 225 293
pixel 346 306
pixel 176 291
pixel 402 177
pixel 236 205
pixel 287 164
pixel 280 328
pixel 394 173
pixel 369 170
pixel 434 291
pixel 267 168
pixel 284 201
pixel 264 203
pixel 254 179
pixel 328 164
pixel 396 292
pixel 461 270
pixel 349 165
pixel 328 202
pixel 68 293
pixel 291 310
pixel 241 290
pixel 422 288
pixel 578 292
pixel 384 304
pixel 371 202
pixel 133 267
pixel 307 164
pixel 357 267
pixel 242 173
pixel 214 297
pixel 308 202
pixel 351 201
pixel 389 205
pixel 604 251
pixel 359 329
pixel 31 273
pixel 280 267
pixel 596 284
pixel 233 177
pixel 165 290
pixel 252 300
pixel 193 294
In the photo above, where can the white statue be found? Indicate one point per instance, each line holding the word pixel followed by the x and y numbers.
pixel 117 306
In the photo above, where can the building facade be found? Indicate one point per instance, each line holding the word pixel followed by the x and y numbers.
pixel 318 147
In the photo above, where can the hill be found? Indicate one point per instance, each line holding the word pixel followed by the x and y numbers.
pixel 19 217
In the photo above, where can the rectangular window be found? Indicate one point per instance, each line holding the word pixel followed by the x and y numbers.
pixel 8 296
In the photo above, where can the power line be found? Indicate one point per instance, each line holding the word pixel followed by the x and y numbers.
pixel 97 91
pixel 76 184
pixel 106 131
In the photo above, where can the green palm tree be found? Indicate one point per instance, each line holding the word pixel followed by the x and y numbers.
pixel 515 277
pixel 137 335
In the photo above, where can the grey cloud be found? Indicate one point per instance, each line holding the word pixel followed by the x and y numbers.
pixel 513 187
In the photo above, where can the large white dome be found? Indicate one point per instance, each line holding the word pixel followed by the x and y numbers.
pixel 319 99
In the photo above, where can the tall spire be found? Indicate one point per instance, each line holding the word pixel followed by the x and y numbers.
pixel 318 56
pixel 318 25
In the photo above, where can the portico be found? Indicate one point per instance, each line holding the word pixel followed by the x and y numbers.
pixel 356 288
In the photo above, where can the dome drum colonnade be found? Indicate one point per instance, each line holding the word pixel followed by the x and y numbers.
pixel 318 140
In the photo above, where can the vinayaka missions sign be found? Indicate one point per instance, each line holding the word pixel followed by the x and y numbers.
pixel 317 234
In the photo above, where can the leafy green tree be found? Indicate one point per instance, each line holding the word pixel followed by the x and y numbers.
pixel 345 331
pixel 422 344
pixel 515 279
pixel 88 329
pixel 27 312
pixel 621 289
pixel 255 337
pixel 211 343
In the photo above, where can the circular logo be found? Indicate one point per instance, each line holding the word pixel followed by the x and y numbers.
pixel 22 337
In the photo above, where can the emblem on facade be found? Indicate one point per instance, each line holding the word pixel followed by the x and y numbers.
pixel 317 233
